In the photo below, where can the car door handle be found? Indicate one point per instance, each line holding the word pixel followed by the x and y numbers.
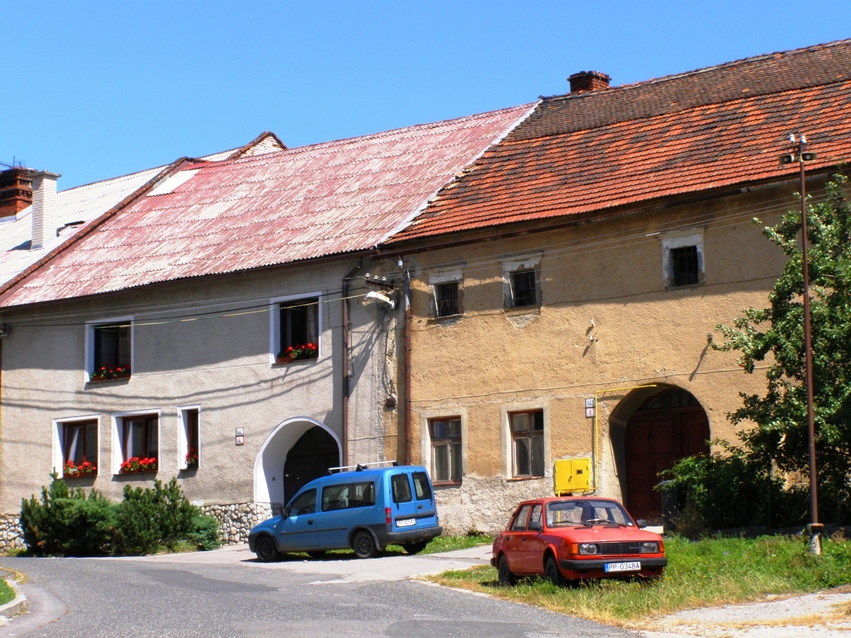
pixel 419 507
pixel 310 522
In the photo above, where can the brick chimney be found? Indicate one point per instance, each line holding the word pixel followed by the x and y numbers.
pixel 16 191
pixel 44 208
pixel 588 81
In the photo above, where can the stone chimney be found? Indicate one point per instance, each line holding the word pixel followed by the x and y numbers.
pixel 16 191
pixel 585 81
pixel 44 211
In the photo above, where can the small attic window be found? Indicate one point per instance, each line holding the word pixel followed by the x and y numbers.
pixel 172 182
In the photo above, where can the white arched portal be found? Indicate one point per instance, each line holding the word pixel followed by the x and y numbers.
pixel 268 466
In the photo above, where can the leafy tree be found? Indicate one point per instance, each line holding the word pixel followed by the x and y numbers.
pixel 776 334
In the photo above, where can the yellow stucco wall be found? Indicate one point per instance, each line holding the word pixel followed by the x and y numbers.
pixel 606 321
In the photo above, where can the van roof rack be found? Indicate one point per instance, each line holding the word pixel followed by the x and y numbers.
pixel 362 466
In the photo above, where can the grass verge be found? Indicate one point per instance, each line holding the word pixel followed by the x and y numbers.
pixel 699 574
pixel 7 594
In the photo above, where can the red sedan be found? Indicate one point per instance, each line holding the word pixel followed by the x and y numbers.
pixel 573 538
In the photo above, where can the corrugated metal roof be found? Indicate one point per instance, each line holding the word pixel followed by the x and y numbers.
pixel 294 205
pixel 627 146
pixel 88 202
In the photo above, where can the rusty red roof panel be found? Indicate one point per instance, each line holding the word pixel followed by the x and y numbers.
pixel 628 146
pixel 289 206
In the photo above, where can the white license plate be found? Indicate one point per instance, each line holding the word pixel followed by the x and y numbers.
pixel 406 522
pixel 622 567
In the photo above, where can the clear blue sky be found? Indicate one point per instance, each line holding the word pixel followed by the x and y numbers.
pixel 96 89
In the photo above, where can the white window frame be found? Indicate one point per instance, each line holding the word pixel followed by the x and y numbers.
pixel 508 441
pixel 183 435
pixel 118 436
pixel 519 264
pixel 426 417
pixel 670 241
pixel 438 277
pixel 58 435
pixel 90 341
pixel 275 322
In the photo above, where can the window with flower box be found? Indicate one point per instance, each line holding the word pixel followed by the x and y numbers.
pixel 527 437
pixel 110 349
pixel 79 444
pixel 138 438
pixel 296 329
pixel 446 454
pixel 189 443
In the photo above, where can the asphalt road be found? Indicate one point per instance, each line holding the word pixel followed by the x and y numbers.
pixel 228 593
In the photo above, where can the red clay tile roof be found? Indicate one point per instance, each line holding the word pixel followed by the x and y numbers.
pixel 297 204
pixel 626 146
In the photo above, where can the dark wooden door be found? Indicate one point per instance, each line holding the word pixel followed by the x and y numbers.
pixel 655 441
pixel 309 458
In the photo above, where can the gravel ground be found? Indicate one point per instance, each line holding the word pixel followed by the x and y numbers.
pixel 823 614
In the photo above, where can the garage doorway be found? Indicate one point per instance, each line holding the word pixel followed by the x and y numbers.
pixel 668 426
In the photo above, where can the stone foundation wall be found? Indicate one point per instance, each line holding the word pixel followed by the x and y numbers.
pixel 484 504
pixel 11 535
pixel 237 519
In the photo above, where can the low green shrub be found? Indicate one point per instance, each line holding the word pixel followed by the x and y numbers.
pixel 70 523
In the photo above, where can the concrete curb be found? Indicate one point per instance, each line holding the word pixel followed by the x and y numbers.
pixel 17 606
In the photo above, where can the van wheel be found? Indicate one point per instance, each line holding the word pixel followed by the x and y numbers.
pixel 364 545
pixel 415 548
pixel 551 571
pixel 506 578
pixel 266 549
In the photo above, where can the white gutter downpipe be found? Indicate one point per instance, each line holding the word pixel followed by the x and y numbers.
pixel 44 209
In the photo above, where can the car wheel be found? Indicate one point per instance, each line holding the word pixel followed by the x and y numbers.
pixel 364 545
pixel 319 553
pixel 415 548
pixel 551 571
pixel 506 578
pixel 266 549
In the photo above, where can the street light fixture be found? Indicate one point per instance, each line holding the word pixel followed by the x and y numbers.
pixel 801 156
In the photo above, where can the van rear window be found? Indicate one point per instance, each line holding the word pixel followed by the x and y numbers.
pixel 348 495
pixel 401 488
pixel 422 486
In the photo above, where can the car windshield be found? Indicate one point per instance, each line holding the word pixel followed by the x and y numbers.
pixel 586 512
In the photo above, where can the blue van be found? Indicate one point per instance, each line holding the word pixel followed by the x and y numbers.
pixel 365 510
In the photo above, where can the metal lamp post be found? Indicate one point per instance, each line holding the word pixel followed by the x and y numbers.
pixel 802 157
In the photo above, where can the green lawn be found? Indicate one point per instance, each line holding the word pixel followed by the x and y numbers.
pixel 7 594
pixel 699 574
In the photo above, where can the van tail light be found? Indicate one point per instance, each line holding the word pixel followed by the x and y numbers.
pixel 387 517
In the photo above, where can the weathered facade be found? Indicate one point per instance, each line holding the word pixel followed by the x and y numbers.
pixel 215 327
pixel 566 289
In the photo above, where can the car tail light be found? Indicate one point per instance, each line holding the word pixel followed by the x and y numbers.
pixel 387 516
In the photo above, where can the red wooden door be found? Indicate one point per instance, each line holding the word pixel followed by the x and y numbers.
pixel 655 441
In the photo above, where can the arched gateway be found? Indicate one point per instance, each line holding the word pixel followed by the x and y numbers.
pixel 297 451
pixel 668 426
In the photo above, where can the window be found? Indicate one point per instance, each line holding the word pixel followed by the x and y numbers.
pixel 79 441
pixel 527 437
pixel 523 290
pixel 304 503
pixel 348 495
pixel 189 442
pixel 401 488
pixel 519 523
pixel 682 260
pixel 446 450
pixel 446 299
pixel 445 285
pixel 138 443
pixel 522 282
pixel 110 350
pixel 422 488
pixel 684 263
pixel 297 329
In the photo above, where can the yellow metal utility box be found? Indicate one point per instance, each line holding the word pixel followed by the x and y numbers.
pixel 572 476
